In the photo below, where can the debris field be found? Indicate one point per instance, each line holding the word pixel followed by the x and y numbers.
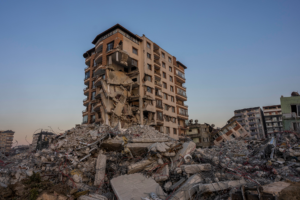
pixel 92 162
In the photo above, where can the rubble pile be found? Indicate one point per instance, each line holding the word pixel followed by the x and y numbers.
pixel 101 162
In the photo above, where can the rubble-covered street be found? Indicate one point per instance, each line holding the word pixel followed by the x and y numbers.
pixel 99 162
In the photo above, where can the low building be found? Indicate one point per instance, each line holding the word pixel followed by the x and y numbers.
pixel 6 140
pixel 230 131
pixel 200 133
pixel 252 119
pixel 290 107
pixel 273 117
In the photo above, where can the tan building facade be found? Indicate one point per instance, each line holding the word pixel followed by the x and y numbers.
pixel 230 131
pixel 6 140
pixel 131 80
pixel 200 133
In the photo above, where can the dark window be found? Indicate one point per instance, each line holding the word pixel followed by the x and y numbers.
pixel 93 95
pixel 110 46
pixel 85 119
pixel 165 96
pixel 173 109
pixel 149 89
pixel 162 55
pixel 172 99
pixel 171 88
pixel 149 66
pixel 174 131
pixel 148 45
pixel 164 65
pixel 134 50
pixel 134 62
pixel 158 103
pixel 171 78
pixel 148 78
pixel 149 55
pixel 165 85
pixel 170 60
pixel 170 69
pixel 164 75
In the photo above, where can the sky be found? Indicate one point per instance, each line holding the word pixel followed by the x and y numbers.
pixel 239 54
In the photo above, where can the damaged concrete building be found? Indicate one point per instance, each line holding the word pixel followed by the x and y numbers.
pixel 6 140
pixel 252 119
pixel 230 131
pixel 291 112
pixel 200 133
pixel 131 80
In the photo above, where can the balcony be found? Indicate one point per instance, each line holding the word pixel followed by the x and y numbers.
pixel 157 62
pixel 100 70
pixel 87 61
pixel 85 102
pixel 97 81
pixel 179 74
pixel 250 113
pixel 252 128
pixel 86 69
pixel 238 114
pixel 182 93
pixel 158 83
pixel 159 105
pixel 239 119
pixel 156 49
pixel 86 80
pixel 84 112
pixel 97 106
pixel 252 123
pixel 97 95
pixel 157 72
pixel 180 84
pixel 86 91
pixel 181 104
pixel 251 118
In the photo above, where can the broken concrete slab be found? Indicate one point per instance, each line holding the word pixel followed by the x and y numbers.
pixel 193 169
pixel 222 185
pixel 187 148
pixel 139 166
pixel 100 170
pixel 187 190
pixel 92 196
pixel 135 187
pixel 275 188
pixel 138 149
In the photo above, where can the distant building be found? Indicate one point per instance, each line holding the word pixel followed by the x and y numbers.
pixel 290 107
pixel 230 131
pixel 200 133
pixel 252 119
pixel 41 140
pixel 19 149
pixel 6 140
pixel 273 117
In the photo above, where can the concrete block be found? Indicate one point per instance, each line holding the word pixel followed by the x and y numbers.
pixel 135 187
pixel 100 169
pixel 187 148
pixel 193 169
pixel 139 166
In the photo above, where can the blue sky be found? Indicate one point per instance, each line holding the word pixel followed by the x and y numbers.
pixel 239 54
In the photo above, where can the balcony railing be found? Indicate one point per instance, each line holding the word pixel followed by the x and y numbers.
pixel 159 106
pixel 158 83
pixel 157 72
pixel 157 62
pixel 179 84
pixel 180 74
pixel 84 111
pixel 182 93
pixel 183 113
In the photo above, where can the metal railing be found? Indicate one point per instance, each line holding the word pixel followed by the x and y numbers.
pixel 180 74
pixel 182 93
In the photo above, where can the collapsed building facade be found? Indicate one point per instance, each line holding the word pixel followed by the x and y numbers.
pixel 131 80
pixel 230 131
pixel 6 140
pixel 200 133
pixel 291 112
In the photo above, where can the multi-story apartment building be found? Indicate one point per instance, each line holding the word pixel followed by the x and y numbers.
pixel 6 140
pixel 252 119
pixel 273 118
pixel 132 80
pixel 291 112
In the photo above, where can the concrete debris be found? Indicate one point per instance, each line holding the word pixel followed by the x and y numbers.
pixel 101 162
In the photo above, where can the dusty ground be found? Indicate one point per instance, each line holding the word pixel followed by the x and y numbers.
pixel 290 193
